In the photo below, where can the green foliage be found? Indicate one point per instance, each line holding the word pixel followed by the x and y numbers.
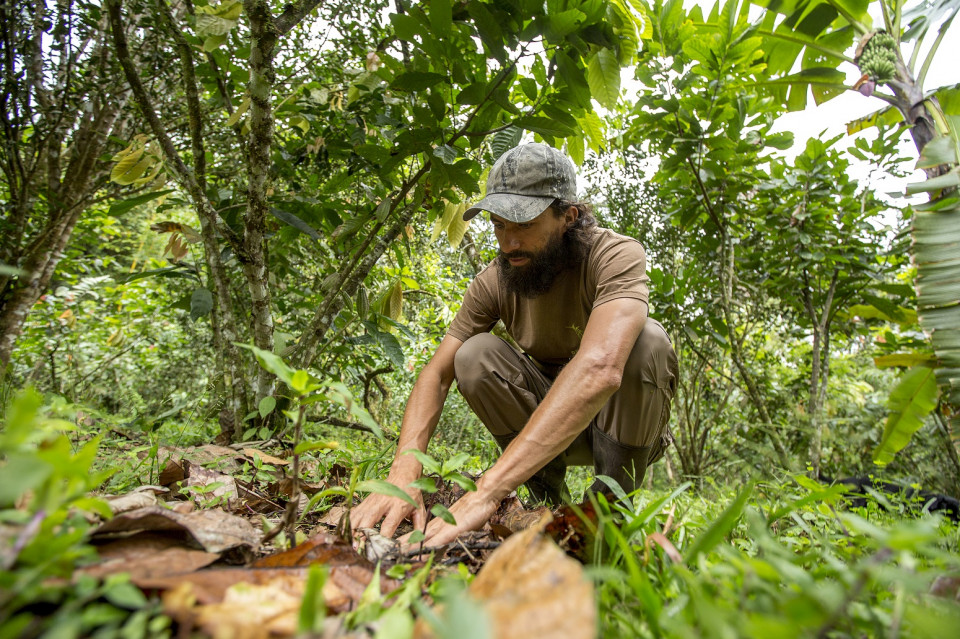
pixel 810 571
pixel 913 398
pixel 45 484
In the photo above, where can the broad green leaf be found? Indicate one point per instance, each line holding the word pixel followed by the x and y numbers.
pixel 575 149
pixel 939 150
pixel 131 167
pixel 544 126
pixel 271 362
pixel 122 206
pixel 201 303
pixel 417 81
pixel 505 140
pixel 305 447
pixel 214 42
pixel 562 24
pixel 19 474
pixel 913 398
pixel 945 181
pixel 593 130
pixel 887 116
pixel 382 487
pixel 295 222
pixel 391 348
pixel 266 406
pixel 441 511
pixel 441 17
pixel 603 76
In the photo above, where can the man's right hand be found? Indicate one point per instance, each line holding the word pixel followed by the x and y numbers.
pixel 391 510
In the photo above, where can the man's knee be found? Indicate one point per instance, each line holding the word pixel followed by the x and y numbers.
pixel 473 360
pixel 652 360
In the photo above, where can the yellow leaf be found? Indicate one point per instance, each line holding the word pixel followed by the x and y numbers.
pixel 236 115
pixel 458 226
pixel 395 302
pixel 449 210
pixel 130 169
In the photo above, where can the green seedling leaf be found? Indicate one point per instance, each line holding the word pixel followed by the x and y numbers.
pixel 441 511
pixel 382 487
pixel 424 484
pixel 461 480
pixel 416 537
pixel 428 462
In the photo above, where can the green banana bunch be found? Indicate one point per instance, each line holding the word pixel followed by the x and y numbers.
pixel 878 59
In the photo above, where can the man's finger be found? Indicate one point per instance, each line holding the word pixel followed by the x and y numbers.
pixel 391 522
pixel 419 517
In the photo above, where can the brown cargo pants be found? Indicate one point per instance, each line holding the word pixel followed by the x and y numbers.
pixel 504 387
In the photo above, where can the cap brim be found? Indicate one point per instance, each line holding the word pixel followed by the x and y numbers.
pixel 512 207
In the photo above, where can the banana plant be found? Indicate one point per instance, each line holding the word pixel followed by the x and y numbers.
pixel 807 44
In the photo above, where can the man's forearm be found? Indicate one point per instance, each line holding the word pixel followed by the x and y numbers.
pixel 576 396
pixel 422 414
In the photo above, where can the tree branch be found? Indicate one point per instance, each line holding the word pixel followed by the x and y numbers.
pixel 293 14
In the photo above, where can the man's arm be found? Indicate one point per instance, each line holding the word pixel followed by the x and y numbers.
pixel 577 395
pixel 419 422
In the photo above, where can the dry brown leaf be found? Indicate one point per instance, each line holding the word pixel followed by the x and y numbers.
pixel 248 610
pixel 319 549
pixel 530 588
pixel 214 529
pixel 147 556
pixel 334 515
pixel 253 453
pixel 172 472
pixel 139 498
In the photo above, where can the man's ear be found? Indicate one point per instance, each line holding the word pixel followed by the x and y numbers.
pixel 571 215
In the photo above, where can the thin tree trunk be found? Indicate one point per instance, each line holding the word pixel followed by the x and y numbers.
pixel 260 89
pixel 234 378
pixel 47 251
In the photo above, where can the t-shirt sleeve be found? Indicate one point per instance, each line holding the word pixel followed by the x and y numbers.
pixel 481 306
pixel 620 268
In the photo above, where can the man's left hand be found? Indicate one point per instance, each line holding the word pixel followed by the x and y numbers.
pixel 471 512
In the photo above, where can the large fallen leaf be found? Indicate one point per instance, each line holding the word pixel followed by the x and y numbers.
pixel 247 611
pixel 530 588
pixel 147 556
pixel 140 498
pixel 214 530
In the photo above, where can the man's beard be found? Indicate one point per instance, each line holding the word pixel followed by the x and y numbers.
pixel 535 278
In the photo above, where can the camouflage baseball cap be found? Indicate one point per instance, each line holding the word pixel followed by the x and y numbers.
pixel 525 180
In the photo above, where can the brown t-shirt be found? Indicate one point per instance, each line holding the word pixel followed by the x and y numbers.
pixel 549 327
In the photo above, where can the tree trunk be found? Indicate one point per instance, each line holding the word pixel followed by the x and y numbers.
pixel 260 88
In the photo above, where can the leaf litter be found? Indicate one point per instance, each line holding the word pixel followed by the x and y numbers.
pixel 195 541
